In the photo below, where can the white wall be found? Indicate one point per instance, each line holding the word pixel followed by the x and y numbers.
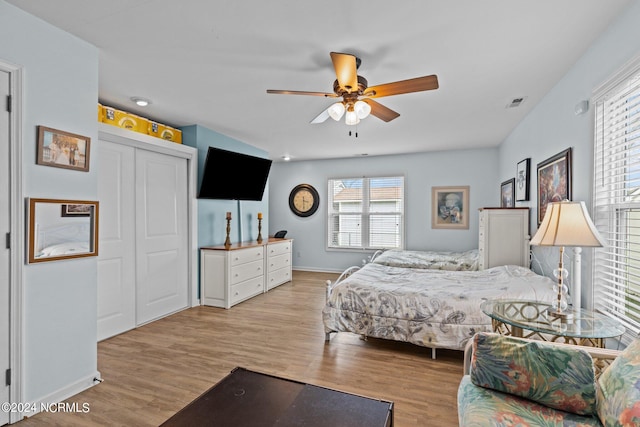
pixel 553 126
pixel 60 87
pixel 476 168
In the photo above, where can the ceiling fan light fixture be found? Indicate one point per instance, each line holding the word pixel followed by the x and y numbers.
pixel 336 111
pixel 362 109
pixel 351 118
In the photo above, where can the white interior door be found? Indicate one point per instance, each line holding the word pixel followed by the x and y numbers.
pixel 161 235
pixel 116 259
pixel 5 227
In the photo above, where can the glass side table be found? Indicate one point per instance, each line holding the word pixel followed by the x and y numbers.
pixel 512 317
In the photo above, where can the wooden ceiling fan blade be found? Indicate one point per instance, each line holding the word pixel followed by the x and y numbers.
pixel 346 70
pixel 404 86
pixel 380 111
pixel 301 92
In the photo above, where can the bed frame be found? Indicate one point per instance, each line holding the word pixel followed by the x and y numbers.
pixel 330 285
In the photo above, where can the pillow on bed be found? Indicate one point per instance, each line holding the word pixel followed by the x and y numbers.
pixel 433 260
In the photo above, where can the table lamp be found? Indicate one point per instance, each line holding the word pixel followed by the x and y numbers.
pixel 565 224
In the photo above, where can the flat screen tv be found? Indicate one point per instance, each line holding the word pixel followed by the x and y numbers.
pixel 233 176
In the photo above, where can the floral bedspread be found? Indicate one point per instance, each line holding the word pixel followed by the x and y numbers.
pixel 453 261
pixel 431 308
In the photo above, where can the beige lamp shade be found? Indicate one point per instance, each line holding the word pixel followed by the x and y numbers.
pixel 567 224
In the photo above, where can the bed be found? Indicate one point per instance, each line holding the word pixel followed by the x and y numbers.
pixel 431 260
pixel 397 297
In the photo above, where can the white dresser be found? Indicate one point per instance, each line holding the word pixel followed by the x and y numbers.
pixel 503 237
pixel 278 263
pixel 230 275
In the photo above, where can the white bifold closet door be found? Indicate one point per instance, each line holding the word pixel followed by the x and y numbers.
pixel 161 235
pixel 143 252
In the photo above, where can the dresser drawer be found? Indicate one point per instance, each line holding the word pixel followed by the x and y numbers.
pixel 242 272
pixel 279 261
pixel 279 248
pixel 246 255
pixel 246 289
pixel 279 277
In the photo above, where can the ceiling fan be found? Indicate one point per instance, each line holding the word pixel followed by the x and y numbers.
pixel 357 98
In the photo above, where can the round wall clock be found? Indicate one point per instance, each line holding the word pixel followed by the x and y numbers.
pixel 304 200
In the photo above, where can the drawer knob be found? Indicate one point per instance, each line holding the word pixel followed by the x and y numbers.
pixel 236 294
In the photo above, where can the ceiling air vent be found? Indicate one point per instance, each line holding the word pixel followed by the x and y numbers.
pixel 516 102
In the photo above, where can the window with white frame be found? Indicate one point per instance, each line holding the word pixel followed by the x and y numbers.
pixel 366 213
pixel 616 198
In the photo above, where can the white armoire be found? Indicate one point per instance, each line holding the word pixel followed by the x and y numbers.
pixel 503 237
pixel 147 238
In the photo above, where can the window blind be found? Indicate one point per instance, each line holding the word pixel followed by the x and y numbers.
pixel 616 199
pixel 365 213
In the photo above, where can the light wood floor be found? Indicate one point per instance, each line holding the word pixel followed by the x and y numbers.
pixel 153 371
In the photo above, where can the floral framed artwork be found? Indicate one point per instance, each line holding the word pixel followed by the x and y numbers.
pixel 450 207
pixel 522 180
pixel 507 189
pixel 63 149
pixel 554 181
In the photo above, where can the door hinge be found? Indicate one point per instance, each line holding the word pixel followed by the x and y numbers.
pixel 9 103
pixel 8 241
pixel 8 377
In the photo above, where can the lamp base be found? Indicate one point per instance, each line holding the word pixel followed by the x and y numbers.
pixel 563 315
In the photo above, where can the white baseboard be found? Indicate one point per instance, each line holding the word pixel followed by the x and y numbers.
pixel 317 270
pixel 63 394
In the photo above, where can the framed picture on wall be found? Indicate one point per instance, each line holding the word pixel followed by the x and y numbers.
pixel 507 193
pixel 522 180
pixel 450 207
pixel 69 210
pixel 63 149
pixel 554 181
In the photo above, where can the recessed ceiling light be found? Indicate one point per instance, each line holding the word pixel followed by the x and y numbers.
pixel 141 102
pixel 286 158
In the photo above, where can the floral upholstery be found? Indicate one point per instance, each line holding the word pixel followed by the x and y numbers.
pixel 479 406
pixel 619 389
pixel 480 403
pixel 555 376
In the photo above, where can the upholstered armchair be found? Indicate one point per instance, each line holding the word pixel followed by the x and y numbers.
pixel 510 381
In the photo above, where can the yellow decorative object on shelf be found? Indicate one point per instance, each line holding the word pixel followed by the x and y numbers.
pixel 125 120
pixel 165 132
pixel 122 119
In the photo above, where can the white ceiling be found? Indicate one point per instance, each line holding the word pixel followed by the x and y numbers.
pixel 211 62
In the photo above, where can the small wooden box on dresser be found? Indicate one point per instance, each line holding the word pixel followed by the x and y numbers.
pixel 503 237
pixel 230 275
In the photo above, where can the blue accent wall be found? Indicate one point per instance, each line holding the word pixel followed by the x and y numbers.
pixel 212 224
